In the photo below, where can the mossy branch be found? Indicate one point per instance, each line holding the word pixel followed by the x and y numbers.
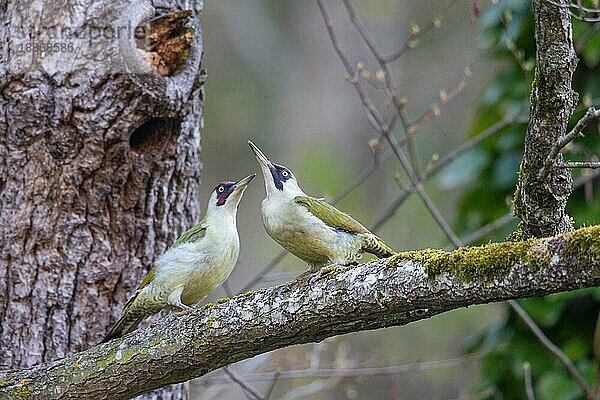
pixel 337 300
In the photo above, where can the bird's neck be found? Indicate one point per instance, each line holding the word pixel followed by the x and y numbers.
pixel 289 193
pixel 221 216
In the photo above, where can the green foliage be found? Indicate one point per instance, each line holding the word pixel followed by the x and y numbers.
pixel 567 319
pixel 492 183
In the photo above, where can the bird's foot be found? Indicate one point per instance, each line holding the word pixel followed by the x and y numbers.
pixel 304 275
pixel 183 309
pixel 307 273
pixel 330 269
pixel 326 269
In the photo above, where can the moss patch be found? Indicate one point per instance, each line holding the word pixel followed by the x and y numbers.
pixel 483 263
pixel 330 270
pixel 211 321
pixel 584 242
pixel 495 260
pixel 126 355
pixel 22 391
pixel 108 360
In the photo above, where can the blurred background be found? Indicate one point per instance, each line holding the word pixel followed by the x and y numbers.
pixel 465 70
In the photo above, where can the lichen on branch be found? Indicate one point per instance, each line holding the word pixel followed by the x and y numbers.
pixel 336 300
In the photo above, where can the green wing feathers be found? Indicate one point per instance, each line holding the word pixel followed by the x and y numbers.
pixel 331 215
pixel 135 311
pixel 340 220
pixel 145 282
pixel 193 234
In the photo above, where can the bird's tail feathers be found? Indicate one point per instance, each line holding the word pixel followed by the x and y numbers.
pixel 127 323
pixel 377 247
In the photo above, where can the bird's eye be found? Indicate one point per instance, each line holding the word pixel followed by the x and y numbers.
pixel 285 173
pixel 221 189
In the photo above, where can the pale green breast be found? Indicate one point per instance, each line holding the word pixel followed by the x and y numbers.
pixel 298 231
pixel 209 276
pixel 303 244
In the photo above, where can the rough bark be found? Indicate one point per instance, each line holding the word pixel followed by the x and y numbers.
pixel 99 168
pixel 540 200
pixel 336 300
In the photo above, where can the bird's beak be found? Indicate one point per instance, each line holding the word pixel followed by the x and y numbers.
pixel 243 182
pixel 237 190
pixel 260 157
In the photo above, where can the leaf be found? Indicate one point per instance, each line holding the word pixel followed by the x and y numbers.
pixel 463 170
pixel 557 386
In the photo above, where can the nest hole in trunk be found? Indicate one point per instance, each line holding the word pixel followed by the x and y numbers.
pixel 155 136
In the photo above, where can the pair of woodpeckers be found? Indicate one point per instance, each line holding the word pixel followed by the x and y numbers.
pixel 202 258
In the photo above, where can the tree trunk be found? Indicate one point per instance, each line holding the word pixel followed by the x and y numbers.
pixel 99 166
pixel 540 200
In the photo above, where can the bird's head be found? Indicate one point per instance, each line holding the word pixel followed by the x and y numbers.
pixel 226 195
pixel 278 179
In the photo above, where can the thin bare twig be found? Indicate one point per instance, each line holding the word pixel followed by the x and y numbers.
pixel 578 164
pixel 436 167
pixel 444 97
pixel 392 88
pixel 268 268
pixel 246 387
pixel 517 54
pixel 435 22
pixel 528 381
pixel 548 344
pixel 311 388
pixel 320 373
pixel 577 6
pixel 360 179
pixel 274 381
pixel 380 126
pixel 489 228
pixel 418 185
pixel 583 11
pixel 566 139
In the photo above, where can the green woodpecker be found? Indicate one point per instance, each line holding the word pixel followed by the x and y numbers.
pixel 309 228
pixel 196 264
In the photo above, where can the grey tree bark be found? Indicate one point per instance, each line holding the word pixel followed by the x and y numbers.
pixel 541 198
pixel 337 300
pixel 99 167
